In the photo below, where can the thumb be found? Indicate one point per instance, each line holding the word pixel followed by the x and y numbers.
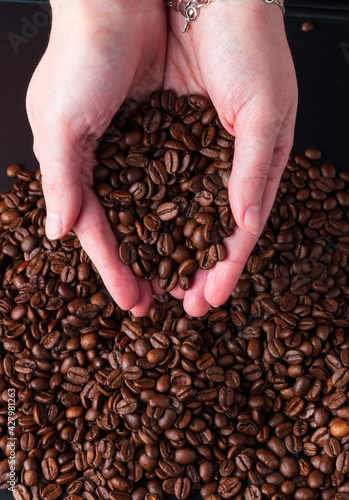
pixel 254 146
pixel 60 163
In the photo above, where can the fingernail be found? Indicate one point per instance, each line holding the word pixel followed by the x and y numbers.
pixel 252 220
pixel 54 226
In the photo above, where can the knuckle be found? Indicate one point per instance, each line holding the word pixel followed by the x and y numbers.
pixel 280 160
pixel 275 174
pixel 256 181
pixel 55 181
pixel 51 188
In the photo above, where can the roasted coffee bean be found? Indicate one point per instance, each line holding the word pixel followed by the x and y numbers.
pixel 173 185
pixel 342 462
pixel 312 153
pixel 127 406
pixel 289 467
pixel 52 492
pixel 157 172
pixel 128 253
pixel 78 375
pixel 172 161
pixel 167 211
pixel 229 487
pixel 182 488
pixel 268 458
pixel 152 120
pixel 248 401
pixel 253 493
pixel 187 267
pixel 49 469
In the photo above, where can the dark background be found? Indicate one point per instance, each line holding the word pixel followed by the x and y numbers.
pixel 321 58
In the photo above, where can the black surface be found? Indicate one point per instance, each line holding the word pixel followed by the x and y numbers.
pixel 321 59
pixel 22 43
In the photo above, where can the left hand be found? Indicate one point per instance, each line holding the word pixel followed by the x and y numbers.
pixel 98 53
pixel 236 52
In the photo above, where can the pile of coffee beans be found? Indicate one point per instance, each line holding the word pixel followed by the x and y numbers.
pixel 248 402
pixel 163 177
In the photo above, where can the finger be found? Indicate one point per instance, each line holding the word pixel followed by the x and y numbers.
pixel 60 163
pixel 156 289
pixel 145 298
pixel 224 276
pixel 178 293
pixel 254 145
pixel 97 238
pixel 194 302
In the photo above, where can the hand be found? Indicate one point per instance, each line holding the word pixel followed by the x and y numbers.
pixel 236 52
pixel 98 53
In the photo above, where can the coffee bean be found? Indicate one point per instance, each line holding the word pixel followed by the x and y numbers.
pixel 229 487
pixel 167 211
pixel 165 244
pixel 74 412
pixel 253 493
pixel 342 462
pixel 289 467
pixel 51 492
pixel 13 170
pixel 120 196
pixel 332 447
pixel 268 458
pixel 157 172
pixel 307 26
pixel 49 469
pixel 151 121
pixel 340 428
pixel 168 100
pixel 187 267
pixel 115 379
pixel 128 253
pixel 172 179
pixel 182 488
pixel 25 366
pixel 78 375
pixel 172 163
pixel 132 329
pixel 127 406
pixel 113 406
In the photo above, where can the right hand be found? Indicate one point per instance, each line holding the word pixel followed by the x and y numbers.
pixel 237 54
pixel 99 52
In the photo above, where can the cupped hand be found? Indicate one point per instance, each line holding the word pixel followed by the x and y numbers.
pixel 98 53
pixel 236 52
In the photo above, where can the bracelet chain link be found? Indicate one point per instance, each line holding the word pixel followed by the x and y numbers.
pixel 190 8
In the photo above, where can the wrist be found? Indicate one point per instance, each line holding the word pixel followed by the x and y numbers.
pixel 250 13
pixel 95 6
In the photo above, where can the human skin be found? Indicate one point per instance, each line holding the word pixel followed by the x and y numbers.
pixel 236 52
pixel 99 52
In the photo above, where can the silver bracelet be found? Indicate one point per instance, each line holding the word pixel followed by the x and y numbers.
pixel 190 8
pixel 282 7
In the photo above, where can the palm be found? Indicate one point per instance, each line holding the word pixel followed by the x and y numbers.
pixel 224 56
